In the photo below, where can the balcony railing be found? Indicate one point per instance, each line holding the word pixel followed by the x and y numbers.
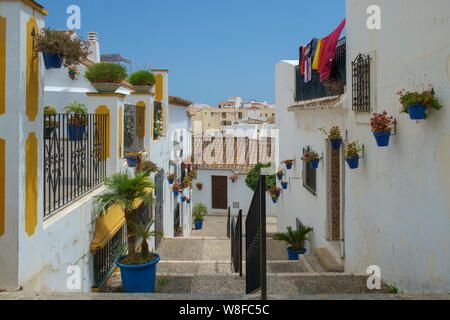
pixel 333 86
pixel 75 152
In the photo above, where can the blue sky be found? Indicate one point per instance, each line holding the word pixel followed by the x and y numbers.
pixel 214 49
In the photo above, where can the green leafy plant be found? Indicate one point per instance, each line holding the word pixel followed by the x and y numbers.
pixel 295 238
pixel 142 78
pixel 172 176
pixel 149 167
pixel 50 111
pixel 253 177
pixel 200 210
pixel 106 72
pixel 280 172
pixel 193 174
pixel 187 182
pixel 123 190
pixel 427 98
pixel 333 134
pixel 353 149
pixel 50 115
pixel 144 233
pixel 176 186
pixel 73 49
pixel 79 110
pixel 393 289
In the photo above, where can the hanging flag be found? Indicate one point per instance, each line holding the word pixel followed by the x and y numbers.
pixel 315 64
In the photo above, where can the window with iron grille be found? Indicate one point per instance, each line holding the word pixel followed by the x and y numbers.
pixel 309 175
pixel 361 83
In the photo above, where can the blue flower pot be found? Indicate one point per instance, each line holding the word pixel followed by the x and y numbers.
pixel 187 201
pixel 138 279
pixel 382 138
pixel 277 194
pixel 336 144
pixel 289 166
pixel 131 161
pixel 171 181
pixel 233 181
pixel 314 164
pixel 52 61
pixel 274 200
pixel 417 111
pixel 175 193
pixel 280 176
pixel 183 199
pixel 76 131
pixel 293 255
pixel 198 225
pixel 353 163
pixel 284 185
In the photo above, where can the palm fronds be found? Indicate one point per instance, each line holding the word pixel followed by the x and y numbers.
pixel 294 238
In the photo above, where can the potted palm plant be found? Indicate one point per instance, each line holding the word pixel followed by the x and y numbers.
pixel 138 271
pixel 76 124
pixel 198 213
pixel 312 158
pixel 417 104
pixel 381 127
pixel 352 151
pixel 295 239
pixel 334 135
pixel 142 80
pixel 106 76
pixel 60 47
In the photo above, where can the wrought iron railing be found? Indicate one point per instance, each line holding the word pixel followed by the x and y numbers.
pixel 255 238
pixel 75 153
pixel 334 85
pixel 236 243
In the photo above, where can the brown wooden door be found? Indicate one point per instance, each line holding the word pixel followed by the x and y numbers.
pixel 219 192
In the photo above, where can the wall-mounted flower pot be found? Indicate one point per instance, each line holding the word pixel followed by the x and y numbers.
pixel 284 185
pixel 289 165
pixel 76 131
pixel 183 199
pixel 382 138
pixel 274 200
pixel 188 201
pixel 140 278
pixel 336 144
pixel 277 194
pixel 171 180
pixel 175 193
pixel 52 61
pixel 293 255
pixel 280 177
pixel 131 161
pixel 106 87
pixel 353 163
pixel 314 163
pixel 417 111
pixel 198 225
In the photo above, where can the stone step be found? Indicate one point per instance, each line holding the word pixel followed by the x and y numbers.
pixel 327 260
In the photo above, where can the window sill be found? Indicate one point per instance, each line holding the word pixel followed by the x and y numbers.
pixel 311 190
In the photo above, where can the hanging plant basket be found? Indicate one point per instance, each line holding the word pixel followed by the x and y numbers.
pixel 314 164
pixel 284 185
pixel 417 111
pixel 353 163
pixel 382 138
pixel 52 60
pixel 280 176
pixel 275 200
pixel 336 144
pixel 199 186
pixel 288 164
pixel 131 159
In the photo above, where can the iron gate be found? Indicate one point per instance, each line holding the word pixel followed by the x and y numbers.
pixel 255 238
pixel 159 192
pixel 236 243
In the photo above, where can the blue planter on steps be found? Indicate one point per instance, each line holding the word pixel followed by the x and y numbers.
pixel 138 279
pixel 293 255
pixel 198 225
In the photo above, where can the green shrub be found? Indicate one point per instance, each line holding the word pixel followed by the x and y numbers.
pixel 199 211
pixel 295 238
pixel 253 177
pixel 106 72
pixel 142 78
pixel 50 111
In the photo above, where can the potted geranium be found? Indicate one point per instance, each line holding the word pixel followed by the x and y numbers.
pixel 171 177
pixel 274 198
pixel 234 179
pixel 312 158
pixel 73 72
pixel 280 175
pixel 289 164
pixel 334 135
pixel 198 213
pixel 416 104
pixel 60 47
pixel 149 167
pixel 76 124
pixel 176 189
pixel 50 123
pixel 296 241
pixel 284 185
pixel 352 151
pixel 199 186
pixel 142 80
pixel 138 271
pixel 106 76
pixel 381 127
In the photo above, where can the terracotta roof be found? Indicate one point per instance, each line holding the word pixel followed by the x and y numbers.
pixel 179 101
pixel 226 103
pixel 225 110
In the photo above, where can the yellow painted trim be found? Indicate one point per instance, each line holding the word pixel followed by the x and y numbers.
pixel 31 183
pixel 32 80
pixel 36 6
pixel 2 186
pixel 2 65
pixel 108 224
pixel 160 70
pixel 142 94
pixel 101 131
pixel 140 116
pixel 120 133
pixel 98 94
pixel 159 92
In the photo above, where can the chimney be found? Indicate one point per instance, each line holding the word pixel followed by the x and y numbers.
pixel 94 46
